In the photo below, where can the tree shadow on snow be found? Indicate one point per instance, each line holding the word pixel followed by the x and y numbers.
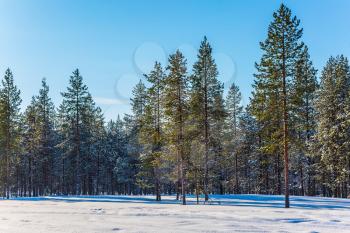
pixel 263 201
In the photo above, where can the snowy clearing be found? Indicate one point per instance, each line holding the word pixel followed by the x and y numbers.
pixel 229 213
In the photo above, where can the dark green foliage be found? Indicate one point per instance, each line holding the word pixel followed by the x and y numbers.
pixel 331 149
pixel 273 88
pixel 10 132
pixel 182 137
pixel 151 134
pixel 207 110
pixel 176 115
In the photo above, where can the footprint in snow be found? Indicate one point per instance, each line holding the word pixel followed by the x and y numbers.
pixel 25 220
pixel 98 211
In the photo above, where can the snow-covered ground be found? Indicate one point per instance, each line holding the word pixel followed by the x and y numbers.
pixel 229 213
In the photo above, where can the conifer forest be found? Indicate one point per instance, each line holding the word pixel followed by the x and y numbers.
pixel 185 136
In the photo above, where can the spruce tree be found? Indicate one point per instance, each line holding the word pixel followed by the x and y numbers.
pixel 10 130
pixel 332 126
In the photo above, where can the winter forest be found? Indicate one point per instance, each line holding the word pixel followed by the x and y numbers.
pixel 184 135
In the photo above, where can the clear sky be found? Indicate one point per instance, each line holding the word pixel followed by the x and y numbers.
pixel 114 42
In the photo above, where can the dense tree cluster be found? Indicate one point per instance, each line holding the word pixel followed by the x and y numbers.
pixel 184 135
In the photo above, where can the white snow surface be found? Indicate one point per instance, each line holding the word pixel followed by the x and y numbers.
pixel 224 213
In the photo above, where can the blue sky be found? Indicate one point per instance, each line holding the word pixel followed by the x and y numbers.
pixel 114 42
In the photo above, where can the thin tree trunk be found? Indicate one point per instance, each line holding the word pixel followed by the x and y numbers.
pixel 77 149
pixel 285 128
pixel 206 135
pixel 236 174
pixel 98 174
pixel 183 183
pixel 178 183
pixel 157 185
pixel 181 145
pixel 30 176
pixel 197 188
pixel 7 185
pixel 302 180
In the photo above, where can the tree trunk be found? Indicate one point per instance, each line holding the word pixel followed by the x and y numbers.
pixel 206 135
pixel 285 128
pixel 236 174
pixel 302 180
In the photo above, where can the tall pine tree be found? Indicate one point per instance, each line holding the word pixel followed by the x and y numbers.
pixel 280 52
pixel 204 86
pixel 234 110
pixel 152 127
pixel 74 105
pixel 176 113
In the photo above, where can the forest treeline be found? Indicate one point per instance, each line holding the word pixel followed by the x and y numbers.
pixel 184 135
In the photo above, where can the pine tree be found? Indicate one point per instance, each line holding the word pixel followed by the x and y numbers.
pixel 176 113
pixel 281 50
pixel 234 110
pixel 65 147
pixel 10 130
pixel 112 153
pixel 303 121
pixel 74 105
pixel 91 121
pixel 31 141
pixel 39 141
pixel 248 149
pixel 98 141
pixel 45 110
pixel 204 85
pixel 266 111
pixel 217 134
pixel 134 123
pixel 133 149
pixel 138 102
pixel 152 127
pixel 118 163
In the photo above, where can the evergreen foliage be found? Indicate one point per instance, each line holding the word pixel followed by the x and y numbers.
pixel 184 135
